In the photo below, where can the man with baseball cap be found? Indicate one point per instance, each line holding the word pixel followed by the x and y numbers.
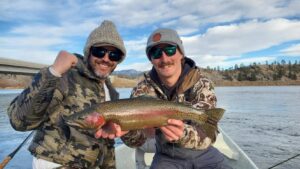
pixel 71 84
pixel 175 77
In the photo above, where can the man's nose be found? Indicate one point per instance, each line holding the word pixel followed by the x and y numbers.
pixel 106 57
pixel 164 56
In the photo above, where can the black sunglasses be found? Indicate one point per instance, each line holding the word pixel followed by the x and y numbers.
pixel 156 52
pixel 113 55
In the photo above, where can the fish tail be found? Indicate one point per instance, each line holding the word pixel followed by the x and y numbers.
pixel 215 114
pixel 211 125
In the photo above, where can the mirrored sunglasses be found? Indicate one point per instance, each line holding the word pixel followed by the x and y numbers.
pixel 156 52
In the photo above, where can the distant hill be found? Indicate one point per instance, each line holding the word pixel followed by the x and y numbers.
pixel 276 73
pixel 256 74
pixel 130 73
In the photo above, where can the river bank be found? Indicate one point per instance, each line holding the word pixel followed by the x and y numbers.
pixel 21 81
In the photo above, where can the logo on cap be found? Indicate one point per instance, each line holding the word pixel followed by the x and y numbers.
pixel 156 37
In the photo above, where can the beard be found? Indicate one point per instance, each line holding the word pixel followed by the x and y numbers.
pixel 100 74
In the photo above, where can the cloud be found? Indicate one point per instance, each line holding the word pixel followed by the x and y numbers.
pixel 43 56
pixel 51 30
pixel 216 32
pixel 210 60
pixel 236 39
pixel 191 14
pixel 21 10
pixel 293 50
pixel 136 48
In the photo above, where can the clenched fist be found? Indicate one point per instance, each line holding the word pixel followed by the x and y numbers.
pixel 64 61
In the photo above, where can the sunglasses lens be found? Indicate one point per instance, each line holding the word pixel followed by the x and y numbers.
pixel 170 50
pixel 98 52
pixel 115 56
pixel 155 53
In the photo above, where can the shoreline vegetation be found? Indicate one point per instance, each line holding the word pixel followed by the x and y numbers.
pixel 275 74
pixel 21 81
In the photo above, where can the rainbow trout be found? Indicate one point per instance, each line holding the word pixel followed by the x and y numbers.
pixel 140 113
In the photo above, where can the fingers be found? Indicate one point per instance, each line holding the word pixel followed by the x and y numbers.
pixel 117 129
pixel 103 134
pixel 111 131
pixel 174 130
pixel 175 122
pixel 98 133
pixel 169 134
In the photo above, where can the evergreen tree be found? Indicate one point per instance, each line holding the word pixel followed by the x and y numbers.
pixel 253 77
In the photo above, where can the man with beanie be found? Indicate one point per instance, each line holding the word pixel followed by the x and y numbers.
pixel 71 84
pixel 174 77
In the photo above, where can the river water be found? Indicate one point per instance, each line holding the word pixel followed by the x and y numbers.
pixel 263 121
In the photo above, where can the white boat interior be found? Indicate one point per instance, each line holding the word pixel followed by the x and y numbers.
pixel 141 158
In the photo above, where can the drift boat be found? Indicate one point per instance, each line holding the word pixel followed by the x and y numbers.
pixel 141 158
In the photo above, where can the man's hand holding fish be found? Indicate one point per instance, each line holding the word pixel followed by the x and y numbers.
pixel 109 130
pixel 173 131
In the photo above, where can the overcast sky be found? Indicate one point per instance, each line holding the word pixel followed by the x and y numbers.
pixel 214 32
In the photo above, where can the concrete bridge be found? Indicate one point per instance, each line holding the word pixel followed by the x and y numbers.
pixel 9 66
pixel 17 74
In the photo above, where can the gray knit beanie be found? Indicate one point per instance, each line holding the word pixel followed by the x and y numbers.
pixel 164 35
pixel 105 34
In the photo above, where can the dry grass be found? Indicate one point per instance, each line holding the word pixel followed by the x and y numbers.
pixel 14 81
pixel 21 81
pixel 119 82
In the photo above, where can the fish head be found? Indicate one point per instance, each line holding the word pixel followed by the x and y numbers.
pixel 90 121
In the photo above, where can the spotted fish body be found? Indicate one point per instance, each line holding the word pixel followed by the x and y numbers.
pixel 140 113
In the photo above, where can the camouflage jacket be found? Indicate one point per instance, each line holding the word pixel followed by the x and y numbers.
pixel 41 107
pixel 195 90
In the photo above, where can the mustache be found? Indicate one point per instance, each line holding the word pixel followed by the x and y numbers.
pixel 162 64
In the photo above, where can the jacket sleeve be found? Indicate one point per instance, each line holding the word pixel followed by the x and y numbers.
pixel 198 136
pixel 28 110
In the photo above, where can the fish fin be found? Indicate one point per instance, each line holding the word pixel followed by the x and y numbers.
pixel 64 129
pixel 210 131
pixel 211 125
